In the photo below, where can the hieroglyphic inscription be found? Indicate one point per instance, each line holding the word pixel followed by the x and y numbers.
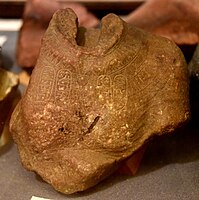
pixel 112 91
pixel 116 64
pixel 63 85
pixel 120 91
pixel 141 79
pixel 124 57
pixel 104 84
pixel 45 85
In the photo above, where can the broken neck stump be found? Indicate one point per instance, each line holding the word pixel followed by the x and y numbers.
pixel 36 17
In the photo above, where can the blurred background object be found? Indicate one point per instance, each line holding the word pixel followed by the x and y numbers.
pixel 174 19
pixel 9 96
pixel 14 8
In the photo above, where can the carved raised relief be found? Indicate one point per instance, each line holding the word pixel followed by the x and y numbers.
pixel 120 91
pixel 45 84
pixel 63 85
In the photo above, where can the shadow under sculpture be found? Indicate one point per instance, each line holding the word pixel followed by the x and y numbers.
pixel 95 97
pixel 194 86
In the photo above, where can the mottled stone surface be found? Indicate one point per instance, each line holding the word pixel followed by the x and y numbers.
pixel 174 19
pixel 95 97
pixel 37 15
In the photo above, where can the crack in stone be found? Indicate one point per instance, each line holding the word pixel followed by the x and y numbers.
pixel 90 128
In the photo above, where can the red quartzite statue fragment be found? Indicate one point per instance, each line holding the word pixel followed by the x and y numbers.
pixel 95 97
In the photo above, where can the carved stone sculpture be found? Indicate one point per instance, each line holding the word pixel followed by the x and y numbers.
pixel 95 97
pixel 174 19
pixel 37 15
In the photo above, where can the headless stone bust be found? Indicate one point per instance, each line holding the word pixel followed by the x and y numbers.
pixel 95 97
